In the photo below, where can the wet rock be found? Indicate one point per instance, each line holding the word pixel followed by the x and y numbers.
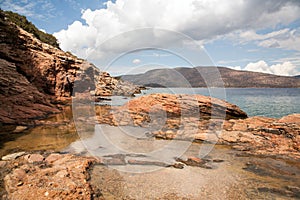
pixel 115 159
pixel 13 156
pixel 194 161
pixel 279 191
pixel 177 165
pixel 147 162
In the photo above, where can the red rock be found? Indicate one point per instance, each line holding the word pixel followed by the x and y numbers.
pixel 61 180
pixel 53 157
pixel 33 158
pixel 294 119
pixel 35 76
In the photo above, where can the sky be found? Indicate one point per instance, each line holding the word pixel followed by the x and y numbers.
pixel 132 36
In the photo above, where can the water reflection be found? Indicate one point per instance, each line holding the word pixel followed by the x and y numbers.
pixel 55 134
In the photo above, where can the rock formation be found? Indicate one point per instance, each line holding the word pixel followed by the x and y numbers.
pixel 153 108
pixel 52 176
pixel 35 76
pixel 199 118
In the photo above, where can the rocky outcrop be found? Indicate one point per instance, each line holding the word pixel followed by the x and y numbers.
pixel 199 118
pixel 35 76
pixel 108 86
pixel 155 108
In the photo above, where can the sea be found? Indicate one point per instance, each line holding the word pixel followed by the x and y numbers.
pixel 268 102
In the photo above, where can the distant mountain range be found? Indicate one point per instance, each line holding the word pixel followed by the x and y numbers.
pixel 212 77
pixel 297 76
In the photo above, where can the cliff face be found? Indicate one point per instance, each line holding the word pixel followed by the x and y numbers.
pixel 36 76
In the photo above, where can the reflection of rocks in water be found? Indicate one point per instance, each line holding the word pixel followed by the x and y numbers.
pixel 281 173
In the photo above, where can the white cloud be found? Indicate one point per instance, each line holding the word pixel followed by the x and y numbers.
pixel 284 38
pixel 136 61
pixel 284 69
pixel 202 20
pixel 236 68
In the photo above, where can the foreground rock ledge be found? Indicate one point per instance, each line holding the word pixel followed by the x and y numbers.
pixel 54 176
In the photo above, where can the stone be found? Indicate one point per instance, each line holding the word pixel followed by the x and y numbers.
pixel 19 174
pixel 33 158
pixel 147 162
pixel 53 157
pixel 193 161
pixel 13 156
pixel 178 165
pixel 19 129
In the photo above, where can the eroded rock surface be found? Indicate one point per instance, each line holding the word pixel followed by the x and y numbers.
pixel 54 176
pixel 35 77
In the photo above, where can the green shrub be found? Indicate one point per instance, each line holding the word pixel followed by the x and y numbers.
pixel 22 22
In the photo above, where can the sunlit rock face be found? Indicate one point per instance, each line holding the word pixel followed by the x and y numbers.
pixel 36 77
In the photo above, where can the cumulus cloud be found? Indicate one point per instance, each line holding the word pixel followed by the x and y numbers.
pixel 285 68
pixel 136 61
pixel 202 20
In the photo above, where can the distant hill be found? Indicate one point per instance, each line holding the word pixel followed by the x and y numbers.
pixel 297 76
pixel 198 76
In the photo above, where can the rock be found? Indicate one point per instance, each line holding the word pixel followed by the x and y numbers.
pixel 178 165
pixel 53 157
pixel 293 118
pixel 13 156
pixel 19 174
pixel 153 109
pixel 194 161
pixel 36 77
pixel 67 179
pixel 147 162
pixel 34 158
pixel 114 161
pixel 2 163
pixel 20 129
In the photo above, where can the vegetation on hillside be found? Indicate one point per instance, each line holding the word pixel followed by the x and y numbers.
pixel 23 23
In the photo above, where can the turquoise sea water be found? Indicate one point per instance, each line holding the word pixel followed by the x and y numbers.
pixel 269 102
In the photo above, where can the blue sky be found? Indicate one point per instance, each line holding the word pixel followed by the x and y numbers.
pixel 243 34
